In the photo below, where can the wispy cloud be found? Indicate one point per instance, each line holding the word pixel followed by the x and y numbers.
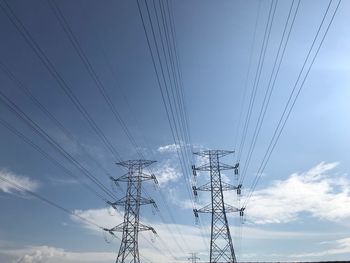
pixel 20 180
pixel 178 201
pixel 307 191
pixel 101 216
pixel 173 237
pixel 315 192
pixel 256 233
pixel 341 246
pixel 63 181
pixel 170 148
pixel 48 254
pixel 195 239
pixel 167 173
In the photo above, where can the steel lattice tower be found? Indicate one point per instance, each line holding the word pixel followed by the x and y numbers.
pixel 221 246
pixel 128 251
pixel 193 258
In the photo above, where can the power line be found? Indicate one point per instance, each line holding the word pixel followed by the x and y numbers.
pixel 45 200
pixel 20 27
pixel 55 205
pixel 56 75
pixel 44 135
pixel 48 156
pixel 169 112
pixel 179 110
pixel 59 15
pixel 89 67
pixel 270 88
pixel 75 42
pixel 247 74
pixel 174 135
pixel 291 102
pixel 46 111
pixel 178 97
pixel 261 60
pixel 178 72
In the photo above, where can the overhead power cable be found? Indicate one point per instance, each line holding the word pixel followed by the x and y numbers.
pixel 168 20
pixel 261 60
pixel 49 157
pixel 174 75
pixel 45 136
pixel 57 206
pixel 56 75
pixel 165 94
pixel 45 200
pixel 174 122
pixel 271 84
pixel 293 96
pixel 159 79
pixel 89 67
pixel 75 42
pixel 47 112
pixel 247 75
pixel 177 96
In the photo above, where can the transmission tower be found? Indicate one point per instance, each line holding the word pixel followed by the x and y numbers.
pixel 193 258
pixel 129 251
pixel 221 246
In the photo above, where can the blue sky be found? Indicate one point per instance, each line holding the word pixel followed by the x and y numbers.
pixel 300 209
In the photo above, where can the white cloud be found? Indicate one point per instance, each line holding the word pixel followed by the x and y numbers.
pixel 40 254
pixel 20 180
pixel 173 237
pixel 190 238
pixel 307 191
pixel 170 148
pixel 101 217
pixel 47 254
pixel 167 173
pixel 315 192
pixel 179 202
pixel 342 246
pixel 260 234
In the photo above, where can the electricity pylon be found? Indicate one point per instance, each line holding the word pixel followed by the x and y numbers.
pixel 128 250
pixel 221 246
pixel 193 258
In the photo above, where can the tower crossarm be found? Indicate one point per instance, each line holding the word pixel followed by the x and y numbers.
pixel 124 200
pixel 193 258
pixel 118 228
pixel 204 167
pixel 219 153
pixel 228 187
pixel 207 167
pixel 135 178
pixel 208 187
pixel 143 227
pixel 205 187
pixel 208 209
pixel 224 166
pixel 136 163
pixel 231 209
pixel 205 209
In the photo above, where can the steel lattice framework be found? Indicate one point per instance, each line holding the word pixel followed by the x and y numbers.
pixel 128 251
pixel 221 246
